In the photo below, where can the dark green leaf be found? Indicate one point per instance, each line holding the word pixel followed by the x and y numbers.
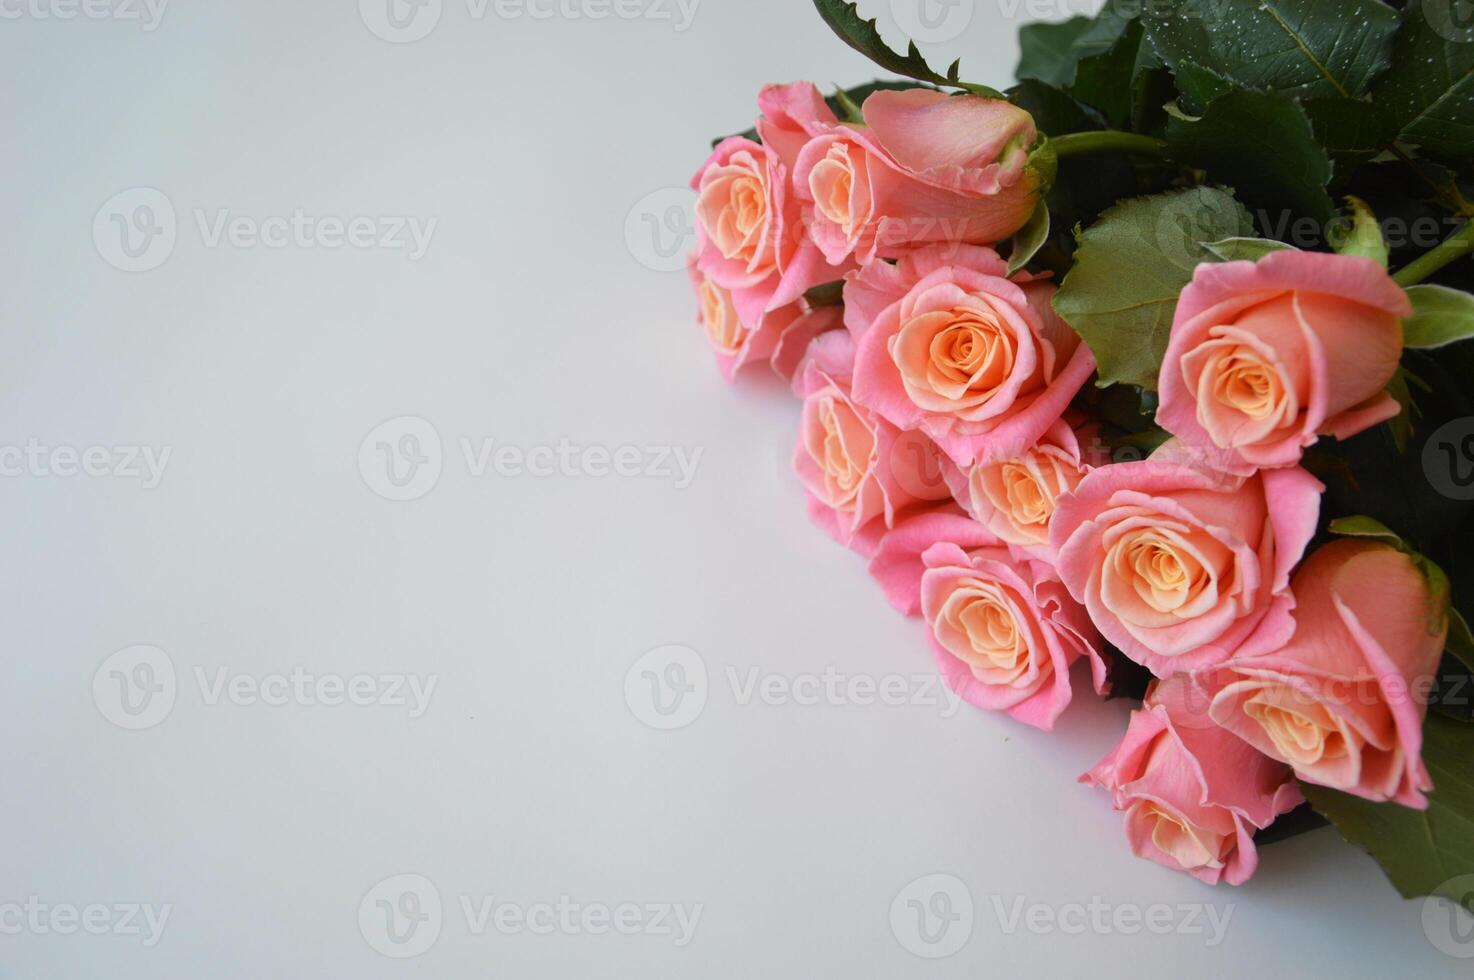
pixel 1353 131
pixel 1246 249
pixel 1430 87
pixel 1029 239
pixel 1424 852
pixel 1130 267
pixel 1047 51
pixel 1105 80
pixel 1199 87
pixel 1460 639
pixel 1261 144
pixel 1301 47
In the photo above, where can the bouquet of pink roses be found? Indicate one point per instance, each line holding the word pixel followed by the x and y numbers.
pixel 1109 369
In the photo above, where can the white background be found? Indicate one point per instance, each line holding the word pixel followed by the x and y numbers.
pixel 532 318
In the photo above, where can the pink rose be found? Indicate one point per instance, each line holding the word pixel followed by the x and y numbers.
pixel 925 167
pixel 1179 566
pixel 750 235
pixel 1016 497
pixel 948 344
pixel 1267 356
pixel 1343 702
pixel 780 337
pixel 1193 795
pixel 1005 631
pixel 858 482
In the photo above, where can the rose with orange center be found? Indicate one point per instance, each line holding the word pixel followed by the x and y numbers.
pixel 1266 357
pixel 950 345
pixel 1180 567
pixel 923 167
pixel 1015 498
pixel 1343 701
pixel 749 223
pixel 1193 794
pixel 858 483
pixel 1005 631
pixel 779 337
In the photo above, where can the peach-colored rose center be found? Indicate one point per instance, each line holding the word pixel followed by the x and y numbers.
pixel 957 358
pixel 1189 845
pixel 1159 575
pixel 1018 496
pixel 733 207
pixel 840 186
pixel 1303 732
pixel 719 317
pixel 982 623
pixel 843 447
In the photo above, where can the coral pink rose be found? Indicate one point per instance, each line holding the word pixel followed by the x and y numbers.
pixel 924 167
pixel 1267 356
pixel 1005 631
pixel 779 337
pixel 948 344
pixel 750 235
pixel 1193 795
pixel 1015 498
pixel 1179 566
pixel 858 482
pixel 1344 701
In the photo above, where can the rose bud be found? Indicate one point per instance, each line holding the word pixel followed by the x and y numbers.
pixel 1343 702
pixel 923 167
pixel 1267 356
pixel 1180 566
pixel 948 344
pixel 1193 794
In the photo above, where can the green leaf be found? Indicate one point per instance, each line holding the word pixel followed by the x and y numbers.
pixel 1353 131
pixel 1440 316
pixel 1300 47
pixel 1048 52
pixel 1129 269
pixel 861 34
pixel 1030 238
pixel 1430 87
pixel 846 108
pixel 1248 249
pixel 826 294
pixel 1423 852
pixel 1361 235
pixel 1362 526
pixel 1199 87
pixel 1261 144
pixel 1106 80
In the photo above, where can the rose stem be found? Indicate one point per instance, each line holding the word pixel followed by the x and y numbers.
pixel 1105 141
pixel 1456 245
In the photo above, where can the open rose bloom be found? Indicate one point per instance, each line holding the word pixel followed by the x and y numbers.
pixel 1180 566
pixel 1343 701
pixel 1267 356
pixel 947 343
pixel 1193 794
pixel 780 337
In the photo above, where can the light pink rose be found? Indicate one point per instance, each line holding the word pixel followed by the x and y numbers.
pixel 948 344
pixel 1343 702
pixel 924 167
pixel 750 234
pixel 858 482
pixel 779 337
pixel 1016 497
pixel 1180 566
pixel 1005 631
pixel 1267 356
pixel 1193 795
